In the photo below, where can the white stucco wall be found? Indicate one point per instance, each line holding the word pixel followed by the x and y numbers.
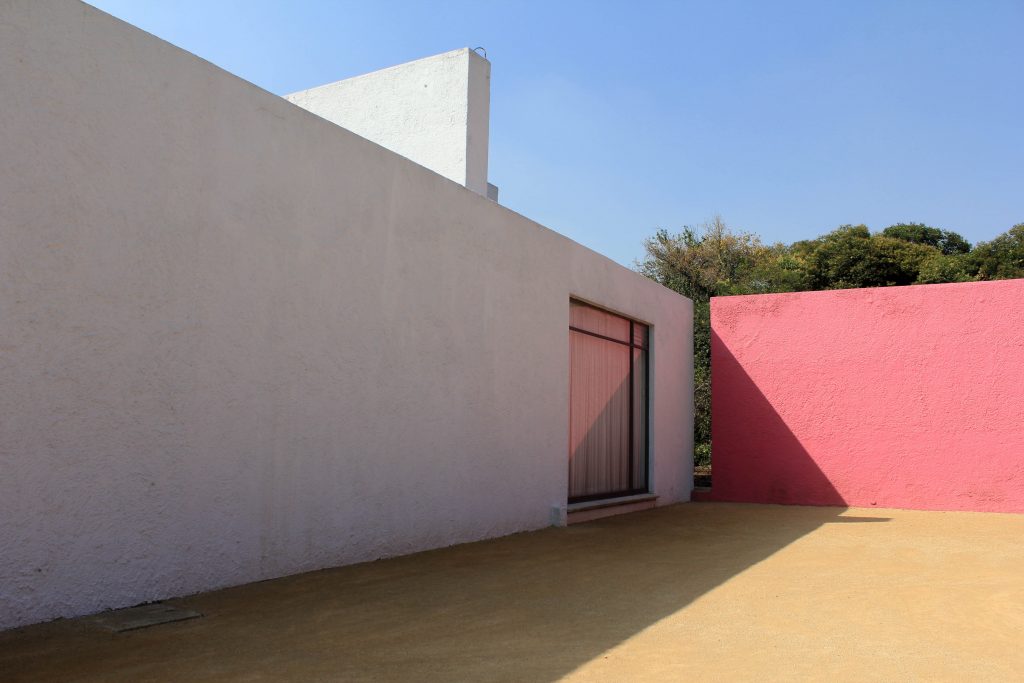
pixel 435 111
pixel 239 341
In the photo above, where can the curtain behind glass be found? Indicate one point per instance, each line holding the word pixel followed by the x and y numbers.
pixel 598 416
pixel 584 317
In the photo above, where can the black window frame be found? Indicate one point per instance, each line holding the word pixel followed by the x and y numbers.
pixel 634 489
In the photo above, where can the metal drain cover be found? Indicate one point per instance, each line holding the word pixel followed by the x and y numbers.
pixel 142 616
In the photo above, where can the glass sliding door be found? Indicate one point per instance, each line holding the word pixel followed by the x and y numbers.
pixel 608 405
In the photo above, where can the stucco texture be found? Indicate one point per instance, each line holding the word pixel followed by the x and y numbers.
pixel 902 397
pixel 434 111
pixel 241 342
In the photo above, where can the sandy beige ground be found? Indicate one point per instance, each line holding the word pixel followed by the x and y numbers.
pixel 700 591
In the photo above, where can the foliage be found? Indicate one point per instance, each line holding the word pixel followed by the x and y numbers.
pixel 938 268
pixel 1000 259
pixel 851 257
pixel 946 241
pixel 714 260
pixel 704 262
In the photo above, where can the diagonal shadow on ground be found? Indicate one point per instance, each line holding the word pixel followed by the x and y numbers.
pixel 530 607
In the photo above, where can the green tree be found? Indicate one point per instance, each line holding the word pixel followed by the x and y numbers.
pixel 1000 259
pixel 939 268
pixel 851 257
pixel 946 241
pixel 711 261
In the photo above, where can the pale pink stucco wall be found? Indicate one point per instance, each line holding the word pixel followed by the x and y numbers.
pixel 238 341
pixel 906 397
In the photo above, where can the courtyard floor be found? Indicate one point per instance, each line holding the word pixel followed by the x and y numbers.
pixel 708 591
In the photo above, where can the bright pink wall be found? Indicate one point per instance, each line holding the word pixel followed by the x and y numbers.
pixel 905 397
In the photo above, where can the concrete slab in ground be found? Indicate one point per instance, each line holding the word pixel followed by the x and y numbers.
pixel 700 591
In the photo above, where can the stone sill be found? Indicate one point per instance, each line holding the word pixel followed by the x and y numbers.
pixel 596 509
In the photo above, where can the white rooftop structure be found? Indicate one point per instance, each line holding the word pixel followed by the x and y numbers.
pixel 434 111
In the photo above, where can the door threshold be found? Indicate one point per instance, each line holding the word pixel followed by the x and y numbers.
pixel 606 507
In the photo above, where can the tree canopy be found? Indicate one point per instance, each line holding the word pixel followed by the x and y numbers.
pixel 1000 259
pixel 946 241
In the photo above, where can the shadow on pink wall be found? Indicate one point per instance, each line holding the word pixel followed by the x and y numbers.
pixel 764 461
pixel 899 397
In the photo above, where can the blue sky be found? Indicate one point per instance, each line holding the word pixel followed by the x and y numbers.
pixel 610 120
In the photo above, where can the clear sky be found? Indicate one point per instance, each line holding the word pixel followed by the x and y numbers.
pixel 612 119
